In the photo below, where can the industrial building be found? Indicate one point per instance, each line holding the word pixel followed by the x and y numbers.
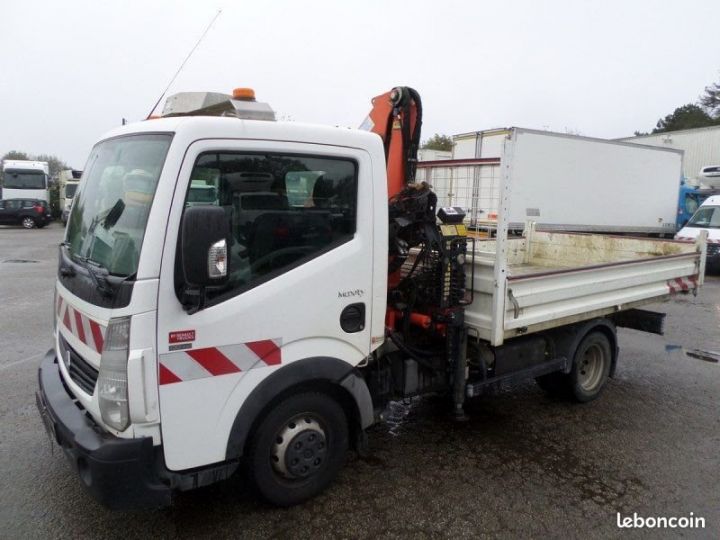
pixel 701 146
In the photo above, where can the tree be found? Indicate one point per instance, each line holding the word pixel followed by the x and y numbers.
pixel 686 117
pixel 710 100
pixel 438 142
pixel 55 164
pixel 14 154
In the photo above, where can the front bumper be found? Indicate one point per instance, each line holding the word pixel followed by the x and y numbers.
pixel 121 473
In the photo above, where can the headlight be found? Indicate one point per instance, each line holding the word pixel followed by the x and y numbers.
pixel 112 379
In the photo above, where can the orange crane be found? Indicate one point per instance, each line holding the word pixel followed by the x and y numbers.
pixel 426 302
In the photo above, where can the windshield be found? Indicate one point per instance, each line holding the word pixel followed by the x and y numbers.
pixel 707 217
pixel 24 179
pixel 110 212
pixel 70 190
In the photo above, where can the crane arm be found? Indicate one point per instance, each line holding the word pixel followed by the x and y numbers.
pixel 397 117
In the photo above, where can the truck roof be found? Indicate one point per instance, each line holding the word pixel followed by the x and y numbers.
pixel 204 127
pixel 25 164
pixel 712 201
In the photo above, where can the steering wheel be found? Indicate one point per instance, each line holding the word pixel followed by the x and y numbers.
pixel 279 258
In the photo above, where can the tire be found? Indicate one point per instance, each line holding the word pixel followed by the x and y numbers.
pixel 591 367
pixel 298 448
pixel 28 223
pixel 584 383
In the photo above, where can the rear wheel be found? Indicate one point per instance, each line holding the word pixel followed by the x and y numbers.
pixel 298 448
pixel 28 222
pixel 590 370
pixel 591 367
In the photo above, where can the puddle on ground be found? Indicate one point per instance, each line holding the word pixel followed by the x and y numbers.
pixel 707 356
pixel 397 412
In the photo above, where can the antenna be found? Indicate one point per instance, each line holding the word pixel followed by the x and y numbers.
pixel 207 29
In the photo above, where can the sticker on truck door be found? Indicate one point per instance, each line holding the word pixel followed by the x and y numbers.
pixel 181 339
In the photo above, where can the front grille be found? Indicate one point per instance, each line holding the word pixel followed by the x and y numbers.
pixel 713 249
pixel 82 373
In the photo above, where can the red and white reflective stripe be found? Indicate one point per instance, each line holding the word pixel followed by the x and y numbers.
pixel 682 284
pixel 214 361
pixel 90 332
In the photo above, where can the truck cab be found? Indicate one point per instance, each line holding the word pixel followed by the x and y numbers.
pixel 25 179
pixel 159 361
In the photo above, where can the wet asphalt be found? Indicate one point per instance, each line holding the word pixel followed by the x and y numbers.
pixel 524 465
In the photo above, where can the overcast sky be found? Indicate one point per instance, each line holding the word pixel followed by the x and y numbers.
pixel 70 70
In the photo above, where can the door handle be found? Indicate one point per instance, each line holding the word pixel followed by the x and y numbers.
pixel 352 318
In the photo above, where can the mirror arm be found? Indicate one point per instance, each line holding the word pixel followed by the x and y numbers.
pixel 193 299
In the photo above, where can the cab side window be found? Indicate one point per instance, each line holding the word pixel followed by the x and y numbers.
pixel 284 210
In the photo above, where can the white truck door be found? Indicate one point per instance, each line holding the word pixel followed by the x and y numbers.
pixel 301 254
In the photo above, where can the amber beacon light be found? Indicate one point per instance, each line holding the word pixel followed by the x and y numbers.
pixel 247 94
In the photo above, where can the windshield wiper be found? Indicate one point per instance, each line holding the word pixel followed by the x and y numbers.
pixel 103 287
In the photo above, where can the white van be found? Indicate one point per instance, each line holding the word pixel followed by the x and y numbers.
pixel 705 218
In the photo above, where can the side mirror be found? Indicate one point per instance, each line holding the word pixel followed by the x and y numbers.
pixel 205 244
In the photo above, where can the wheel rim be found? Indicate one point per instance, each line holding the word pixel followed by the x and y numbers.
pixel 300 448
pixel 28 223
pixel 591 367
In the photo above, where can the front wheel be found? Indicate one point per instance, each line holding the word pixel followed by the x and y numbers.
pixel 28 222
pixel 298 448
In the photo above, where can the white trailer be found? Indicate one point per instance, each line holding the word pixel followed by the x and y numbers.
pixel 562 182
pixel 24 179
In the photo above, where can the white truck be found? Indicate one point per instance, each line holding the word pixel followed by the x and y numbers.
pixel 68 181
pixel 24 179
pixel 189 342
pixel 561 182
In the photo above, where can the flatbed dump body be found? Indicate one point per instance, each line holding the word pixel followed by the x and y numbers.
pixel 549 279
pixel 546 279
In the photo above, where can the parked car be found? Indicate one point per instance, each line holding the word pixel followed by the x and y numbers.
pixel 29 213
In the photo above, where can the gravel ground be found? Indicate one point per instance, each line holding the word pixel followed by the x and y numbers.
pixel 524 465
